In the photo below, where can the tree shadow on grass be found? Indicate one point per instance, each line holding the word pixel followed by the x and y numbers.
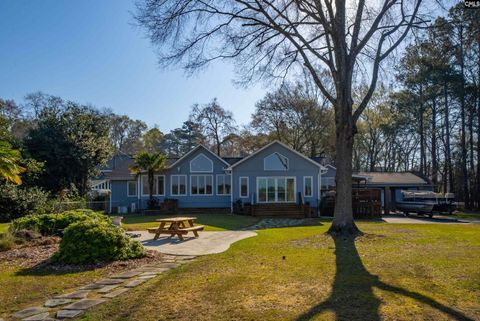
pixel 352 296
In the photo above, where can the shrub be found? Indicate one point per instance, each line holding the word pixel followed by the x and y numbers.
pixel 93 241
pixel 16 202
pixel 7 241
pixel 52 224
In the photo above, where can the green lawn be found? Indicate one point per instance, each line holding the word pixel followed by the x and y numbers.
pixel 20 288
pixel 4 227
pixel 397 272
pixel 464 214
pixel 212 222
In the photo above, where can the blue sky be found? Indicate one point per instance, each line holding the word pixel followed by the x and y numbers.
pixel 89 51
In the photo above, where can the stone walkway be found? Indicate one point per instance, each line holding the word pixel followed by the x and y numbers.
pixel 71 305
pixel 277 222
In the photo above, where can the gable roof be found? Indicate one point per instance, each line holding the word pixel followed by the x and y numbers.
pixel 394 178
pixel 193 151
pixel 283 145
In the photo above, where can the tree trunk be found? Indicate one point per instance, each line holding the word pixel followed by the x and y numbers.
pixel 343 223
pixel 151 179
pixel 448 151
pixel 434 145
pixel 463 127
pixel 422 134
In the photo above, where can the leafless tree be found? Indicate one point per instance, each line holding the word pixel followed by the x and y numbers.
pixel 274 38
pixel 216 123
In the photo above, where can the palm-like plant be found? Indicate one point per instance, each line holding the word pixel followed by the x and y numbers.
pixel 9 167
pixel 149 163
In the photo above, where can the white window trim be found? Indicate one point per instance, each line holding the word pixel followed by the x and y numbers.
pixel 154 176
pixel 225 181
pixel 128 189
pixel 311 189
pixel 171 185
pixel 240 187
pixel 204 175
pixel 277 177
pixel 276 170
pixel 211 164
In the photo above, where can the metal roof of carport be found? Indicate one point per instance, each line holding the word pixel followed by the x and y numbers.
pixel 394 178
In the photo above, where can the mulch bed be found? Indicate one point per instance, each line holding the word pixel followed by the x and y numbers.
pixel 35 257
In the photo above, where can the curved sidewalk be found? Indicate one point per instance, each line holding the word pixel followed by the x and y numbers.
pixel 207 243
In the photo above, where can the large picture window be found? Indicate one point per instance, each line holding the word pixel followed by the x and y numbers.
pixel 158 185
pixel 201 164
pixel 201 184
pixel 275 162
pixel 276 189
pixel 223 184
pixel 178 185
pixel 244 187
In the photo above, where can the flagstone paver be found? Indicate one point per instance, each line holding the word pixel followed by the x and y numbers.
pixel 108 288
pixel 83 304
pixel 56 302
pixel 110 281
pixel 135 283
pixel 68 314
pixel 25 313
pixel 126 275
pixel 80 294
pixel 38 317
pixel 115 293
pixel 92 286
pixel 147 277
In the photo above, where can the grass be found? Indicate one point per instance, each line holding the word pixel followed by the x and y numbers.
pixel 4 227
pixel 21 288
pixel 465 214
pixel 396 272
pixel 212 222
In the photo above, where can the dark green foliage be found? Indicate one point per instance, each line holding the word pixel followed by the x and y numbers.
pixel 71 141
pixel 16 202
pixel 52 224
pixel 94 241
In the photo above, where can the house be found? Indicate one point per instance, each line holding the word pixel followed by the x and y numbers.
pixel 390 184
pixel 274 178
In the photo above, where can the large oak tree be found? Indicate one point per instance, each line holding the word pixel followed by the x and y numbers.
pixel 274 38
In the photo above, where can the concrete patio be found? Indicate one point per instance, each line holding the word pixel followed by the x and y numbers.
pixel 207 243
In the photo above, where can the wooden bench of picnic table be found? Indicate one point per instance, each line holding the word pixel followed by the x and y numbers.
pixel 178 226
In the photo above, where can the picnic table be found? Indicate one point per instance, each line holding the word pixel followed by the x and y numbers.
pixel 177 226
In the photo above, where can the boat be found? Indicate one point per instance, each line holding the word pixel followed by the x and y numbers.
pixel 419 202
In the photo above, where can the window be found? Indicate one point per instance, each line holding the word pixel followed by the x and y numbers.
pixel 201 164
pixel 328 182
pixel 307 186
pixel 275 162
pixel 276 189
pixel 201 185
pixel 178 185
pixel 244 187
pixel 223 184
pixel 132 188
pixel 158 185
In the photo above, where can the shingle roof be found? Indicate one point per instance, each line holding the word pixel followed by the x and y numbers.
pixel 394 178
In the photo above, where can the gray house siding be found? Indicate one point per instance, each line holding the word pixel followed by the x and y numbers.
pixel 253 168
pixel 181 168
